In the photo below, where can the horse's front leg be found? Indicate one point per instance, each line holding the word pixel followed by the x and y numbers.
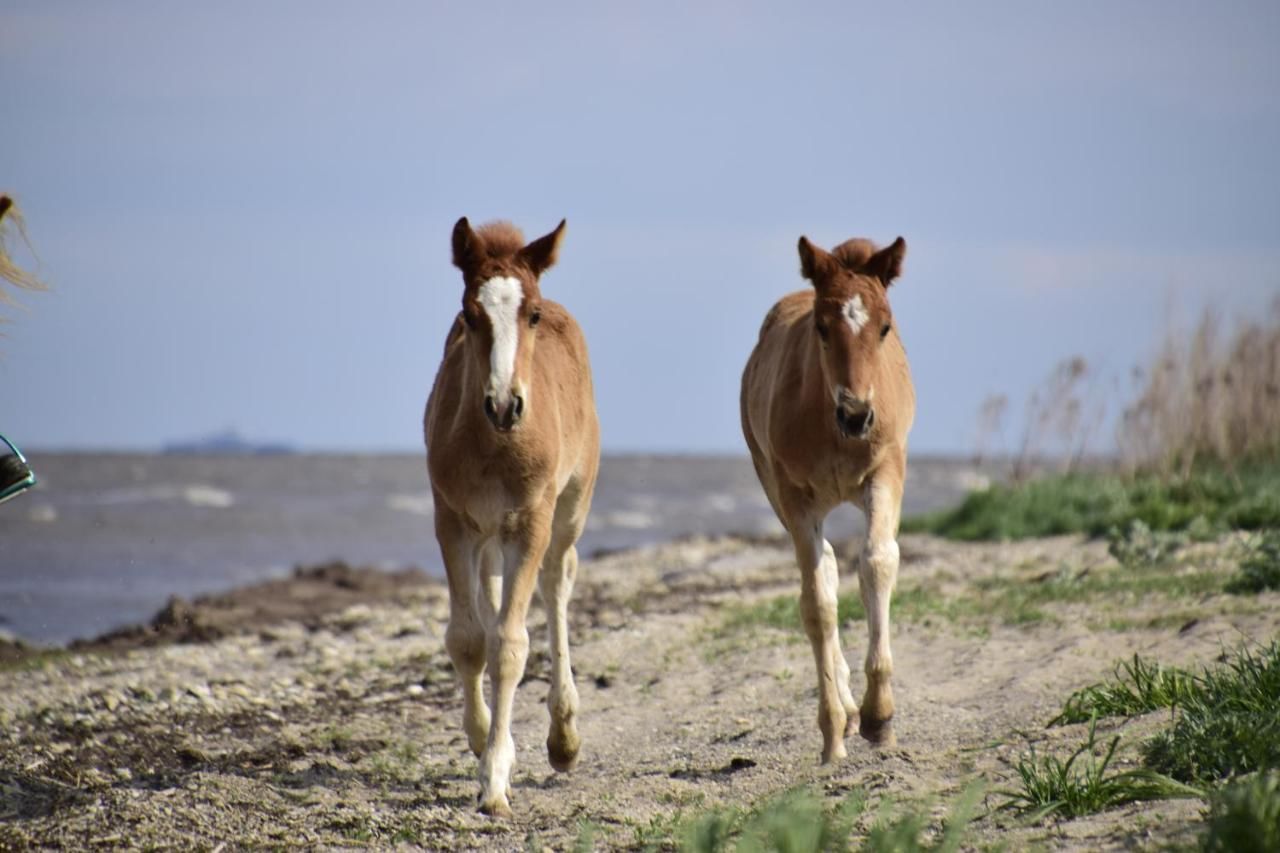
pixel 877 576
pixel 818 612
pixel 524 542
pixel 464 638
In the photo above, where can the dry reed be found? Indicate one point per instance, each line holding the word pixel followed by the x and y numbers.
pixel 11 221
pixel 1208 397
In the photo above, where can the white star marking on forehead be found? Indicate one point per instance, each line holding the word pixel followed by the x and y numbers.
pixel 856 313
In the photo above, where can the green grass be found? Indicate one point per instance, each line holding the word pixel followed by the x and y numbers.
pixel 1260 570
pixel 1138 687
pixel 1245 817
pixel 1000 599
pixel 1228 726
pixel 1084 783
pixel 1226 719
pixel 783 613
pixel 799 821
pixel 1210 499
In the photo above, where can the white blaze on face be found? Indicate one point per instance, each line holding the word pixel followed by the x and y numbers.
pixel 856 313
pixel 500 297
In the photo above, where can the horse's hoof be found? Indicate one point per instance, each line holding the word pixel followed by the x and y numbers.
pixel 496 807
pixel 563 752
pixel 878 732
pixel 836 753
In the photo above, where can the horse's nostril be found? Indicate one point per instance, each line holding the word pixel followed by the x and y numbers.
pixel 855 423
pixel 517 407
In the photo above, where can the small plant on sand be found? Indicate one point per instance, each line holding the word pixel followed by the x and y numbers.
pixel 1136 545
pixel 1245 817
pixel 1228 725
pixel 907 831
pixel 1260 570
pixel 1139 686
pixel 1085 783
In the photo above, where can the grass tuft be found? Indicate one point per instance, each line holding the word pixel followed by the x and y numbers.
pixel 1228 726
pixel 1245 817
pixel 1138 546
pixel 1261 569
pixel 1084 783
pixel 1139 686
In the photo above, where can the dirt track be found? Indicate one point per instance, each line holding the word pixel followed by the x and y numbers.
pixel 346 730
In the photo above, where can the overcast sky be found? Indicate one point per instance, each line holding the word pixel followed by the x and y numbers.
pixel 244 208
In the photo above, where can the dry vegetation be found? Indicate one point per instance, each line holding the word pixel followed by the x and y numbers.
pixel 1208 398
pixel 1199 446
pixel 11 223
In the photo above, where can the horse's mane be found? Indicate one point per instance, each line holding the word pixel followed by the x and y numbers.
pixel 854 254
pixel 500 239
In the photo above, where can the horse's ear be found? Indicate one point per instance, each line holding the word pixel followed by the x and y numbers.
pixel 466 245
pixel 540 255
pixel 886 264
pixel 5 204
pixel 815 262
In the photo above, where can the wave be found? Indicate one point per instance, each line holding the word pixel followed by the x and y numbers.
pixel 415 504
pixel 195 494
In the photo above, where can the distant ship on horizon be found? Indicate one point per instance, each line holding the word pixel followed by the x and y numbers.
pixel 228 442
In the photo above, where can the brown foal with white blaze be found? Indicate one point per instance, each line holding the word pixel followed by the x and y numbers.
pixel 827 402
pixel 513 446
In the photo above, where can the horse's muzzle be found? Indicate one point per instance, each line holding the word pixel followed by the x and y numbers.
pixel 505 418
pixel 855 421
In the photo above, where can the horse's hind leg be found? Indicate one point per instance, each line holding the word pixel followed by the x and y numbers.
pixel 559 570
pixel 464 638
pixel 877 575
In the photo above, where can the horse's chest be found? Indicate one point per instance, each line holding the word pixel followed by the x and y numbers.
pixel 487 506
pixel 844 481
pixel 489 490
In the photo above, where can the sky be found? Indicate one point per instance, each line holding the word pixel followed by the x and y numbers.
pixel 244 209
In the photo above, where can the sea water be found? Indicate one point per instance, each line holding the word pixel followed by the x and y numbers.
pixel 105 539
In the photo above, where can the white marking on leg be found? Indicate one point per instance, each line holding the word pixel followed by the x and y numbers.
pixel 856 313
pixel 562 700
pixel 500 297
pixel 829 570
pixel 880 568
pixel 818 612
pixel 878 573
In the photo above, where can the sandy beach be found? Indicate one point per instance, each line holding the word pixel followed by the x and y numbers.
pixel 333 720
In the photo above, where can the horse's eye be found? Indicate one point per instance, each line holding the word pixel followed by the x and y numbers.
pixel 469 320
pixel 822 333
pixel 534 318
pixel 884 331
